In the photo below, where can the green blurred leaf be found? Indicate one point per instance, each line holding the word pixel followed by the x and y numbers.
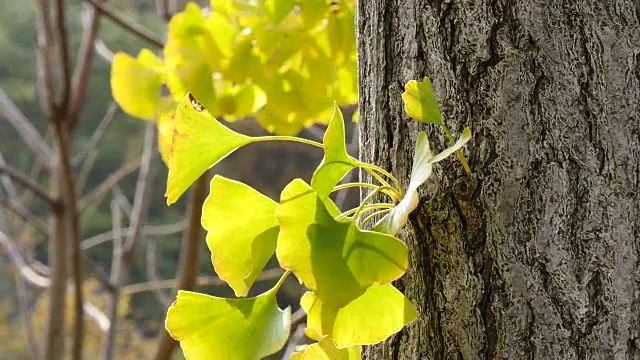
pixel 209 327
pixel 135 83
pixel 198 142
pixel 333 258
pixel 378 313
pixel 420 102
pixel 242 231
pixel 423 161
pixel 326 349
pixel 336 162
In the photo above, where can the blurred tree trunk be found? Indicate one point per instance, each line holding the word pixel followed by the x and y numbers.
pixel 537 253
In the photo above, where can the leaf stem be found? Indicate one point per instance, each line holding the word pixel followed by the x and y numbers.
pixel 383 172
pixel 288 138
pixel 463 160
pixel 368 207
pixel 281 281
pixel 371 216
pixel 351 185
pixel 369 197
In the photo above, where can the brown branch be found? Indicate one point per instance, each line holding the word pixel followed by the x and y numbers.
pixel 65 63
pixel 134 28
pixel 146 230
pixel 83 65
pixel 117 273
pixel 24 214
pixel 28 133
pixel 45 72
pixel 23 180
pixel 189 265
pixel 101 190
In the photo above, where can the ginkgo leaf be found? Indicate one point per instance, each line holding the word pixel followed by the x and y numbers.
pixel 198 142
pixel 326 349
pixel 210 327
pixel 336 162
pixel 333 258
pixel 242 231
pixel 421 170
pixel 420 102
pixel 135 83
pixel 378 313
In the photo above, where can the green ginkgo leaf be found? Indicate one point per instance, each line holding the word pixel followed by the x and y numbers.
pixel 326 349
pixel 423 161
pixel 242 232
pixel 198 142
pixel 136 82
pixel 333 258
pixel 420 102
pixel 336 162
pixel 209 327
pixel 378 313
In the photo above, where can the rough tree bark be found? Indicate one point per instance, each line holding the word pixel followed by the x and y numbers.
pixel 537 254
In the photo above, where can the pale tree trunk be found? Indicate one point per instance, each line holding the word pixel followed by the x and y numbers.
pixel 537 254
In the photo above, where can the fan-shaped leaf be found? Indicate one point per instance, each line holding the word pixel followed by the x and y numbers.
pixel 420 102
pixel 198 142
pixel 336 162
pixel 378 313
pixel 242 231
pixel 325 349
pixel 209 327
pixel 135 83
pixel 333 258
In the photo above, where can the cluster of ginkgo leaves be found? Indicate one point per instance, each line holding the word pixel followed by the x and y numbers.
pixel 348 270
pixel 283 61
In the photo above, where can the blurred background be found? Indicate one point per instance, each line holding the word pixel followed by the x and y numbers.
pixel 108 149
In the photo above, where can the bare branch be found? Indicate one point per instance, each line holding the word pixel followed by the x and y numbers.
pixel 152 275
pixel 24 214
pixel 81 72
pixel 100 191
pixel 25 270
pixel 101 49
pixel 162 7
pixel 65 61
pixel 98 316
pixel 28 133
pixel 97 135
pixel 117 270
pixel 44 48
pixel 25 315
pixel 189 264
pixel 134 28
pixel 23 180
pixel 154 230
pixel 267 275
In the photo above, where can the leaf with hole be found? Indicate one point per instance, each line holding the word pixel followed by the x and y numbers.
pixel 198 142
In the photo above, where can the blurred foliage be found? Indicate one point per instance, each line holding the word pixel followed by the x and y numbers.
pixel 283 61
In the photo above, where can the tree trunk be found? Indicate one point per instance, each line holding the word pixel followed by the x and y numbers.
pixel 537 253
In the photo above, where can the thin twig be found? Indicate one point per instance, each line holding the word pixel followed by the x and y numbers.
pixel 83 65
pixel 23 180
pixel 152 275
pixel 101 190
pixel 28 133
pixel 103 50
pixel 134 28
pixel 65 63
pixel 45 71
pixel 117 270
pixel 24 214
pixel 97 135
pixel 267 275
pixel 153 230
pixel 25 315
pixel 18 260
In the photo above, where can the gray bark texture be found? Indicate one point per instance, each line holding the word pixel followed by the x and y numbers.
pixel 536 255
